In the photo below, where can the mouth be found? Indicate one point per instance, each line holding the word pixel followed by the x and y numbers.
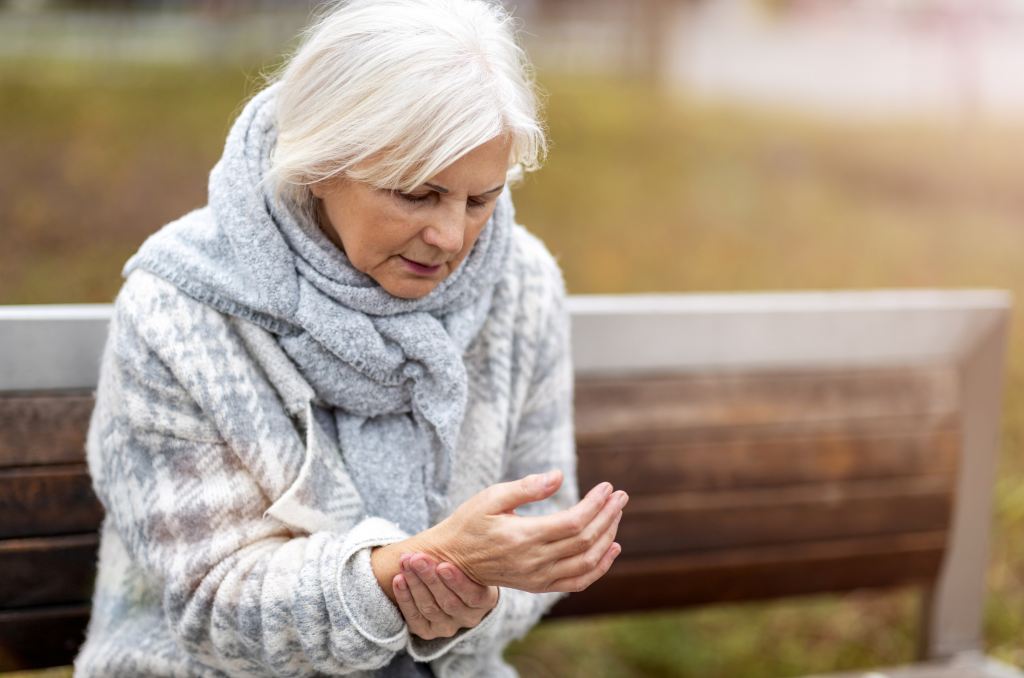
pixel 420 269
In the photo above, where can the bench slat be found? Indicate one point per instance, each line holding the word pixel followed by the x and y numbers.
pixel 969 665
pixel 43 429
pixel 692 522
pixel 47 570
pixel 754 459
pixel 47 500
pixel 760 573
pixel 32 639
pixel 634 408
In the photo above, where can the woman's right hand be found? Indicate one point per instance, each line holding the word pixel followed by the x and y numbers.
pixel 438 600
pixel 565 551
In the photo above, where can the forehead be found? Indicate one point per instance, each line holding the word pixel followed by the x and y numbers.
pixel 481 169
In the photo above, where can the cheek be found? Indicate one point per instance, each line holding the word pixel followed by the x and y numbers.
pixel 476 227
pixel 369 231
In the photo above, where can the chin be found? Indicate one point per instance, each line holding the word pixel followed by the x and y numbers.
pixel 411 289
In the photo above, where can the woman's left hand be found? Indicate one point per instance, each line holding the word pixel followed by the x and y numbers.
pixel 438 600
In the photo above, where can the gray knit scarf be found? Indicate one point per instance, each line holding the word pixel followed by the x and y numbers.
pixel 389 370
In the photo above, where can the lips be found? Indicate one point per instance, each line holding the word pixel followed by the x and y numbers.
pixel 420 269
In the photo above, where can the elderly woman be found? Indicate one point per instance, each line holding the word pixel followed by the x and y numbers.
pixel 333 431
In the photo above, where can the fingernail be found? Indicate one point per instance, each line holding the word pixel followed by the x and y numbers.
pixel 618 549
pixel 548 479
pixel 447 574
pixel 606 490
pixel 420 565
pixel 623 500
pixel 401 585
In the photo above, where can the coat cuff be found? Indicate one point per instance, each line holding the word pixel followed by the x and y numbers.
pixel 372 613
pixel 481 634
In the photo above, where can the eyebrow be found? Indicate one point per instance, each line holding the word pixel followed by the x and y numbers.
pixel 442 189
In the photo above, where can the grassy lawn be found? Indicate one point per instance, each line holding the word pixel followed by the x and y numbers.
pixel 643 192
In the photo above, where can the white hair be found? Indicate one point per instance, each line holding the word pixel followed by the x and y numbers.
pixel 390 92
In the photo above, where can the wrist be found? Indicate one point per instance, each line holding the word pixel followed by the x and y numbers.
pixel 436 543
pixel 385 560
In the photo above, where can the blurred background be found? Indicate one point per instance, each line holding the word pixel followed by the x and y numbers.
pixel 698 145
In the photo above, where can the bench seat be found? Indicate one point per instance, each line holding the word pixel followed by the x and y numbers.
pixel 773 445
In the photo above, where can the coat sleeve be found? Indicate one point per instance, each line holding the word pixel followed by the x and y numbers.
pixel 543 440
pixel 240 591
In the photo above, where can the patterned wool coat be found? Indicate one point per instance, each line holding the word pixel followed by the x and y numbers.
pixel 235 543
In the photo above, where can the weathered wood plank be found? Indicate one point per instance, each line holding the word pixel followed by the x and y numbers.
pixel 759 573
pixel 33 639
pixel 47 571
pixel 631 410
pixel 47 500
pixel 699 521
pixel 752 459
pixel 43 429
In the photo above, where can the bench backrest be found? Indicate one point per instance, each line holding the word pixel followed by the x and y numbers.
pixel 772 444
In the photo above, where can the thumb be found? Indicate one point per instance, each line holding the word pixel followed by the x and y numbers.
pixel 505 497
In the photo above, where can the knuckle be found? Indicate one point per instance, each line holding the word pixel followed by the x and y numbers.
pixel 451 607
pixel 574 523
pixel 580 586
pixel 524 484
pixel 430 612
pixel 489 495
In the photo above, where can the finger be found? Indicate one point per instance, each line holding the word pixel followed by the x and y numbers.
pixel 450 603
pixel 592 533
pixel 421 595
pixel 586 561
pixel 571 522
pixel 472 594
pixel 577 584
pixel 505 497
pixel 407 606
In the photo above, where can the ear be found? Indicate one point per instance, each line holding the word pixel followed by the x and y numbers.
pixel 317 189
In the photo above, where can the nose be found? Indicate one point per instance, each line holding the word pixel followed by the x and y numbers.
pixel 447 230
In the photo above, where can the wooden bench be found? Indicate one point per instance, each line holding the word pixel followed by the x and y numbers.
pixel 772 444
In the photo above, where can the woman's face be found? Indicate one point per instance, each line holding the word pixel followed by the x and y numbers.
pixel 409 242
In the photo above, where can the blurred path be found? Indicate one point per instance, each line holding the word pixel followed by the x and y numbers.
pixel 866 58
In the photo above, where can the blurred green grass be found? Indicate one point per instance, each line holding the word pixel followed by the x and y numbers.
pixel 644 191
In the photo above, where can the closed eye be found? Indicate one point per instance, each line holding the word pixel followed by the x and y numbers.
pixel 408 197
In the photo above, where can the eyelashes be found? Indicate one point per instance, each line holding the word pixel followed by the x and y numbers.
pixel 420 199
pixel 414 199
